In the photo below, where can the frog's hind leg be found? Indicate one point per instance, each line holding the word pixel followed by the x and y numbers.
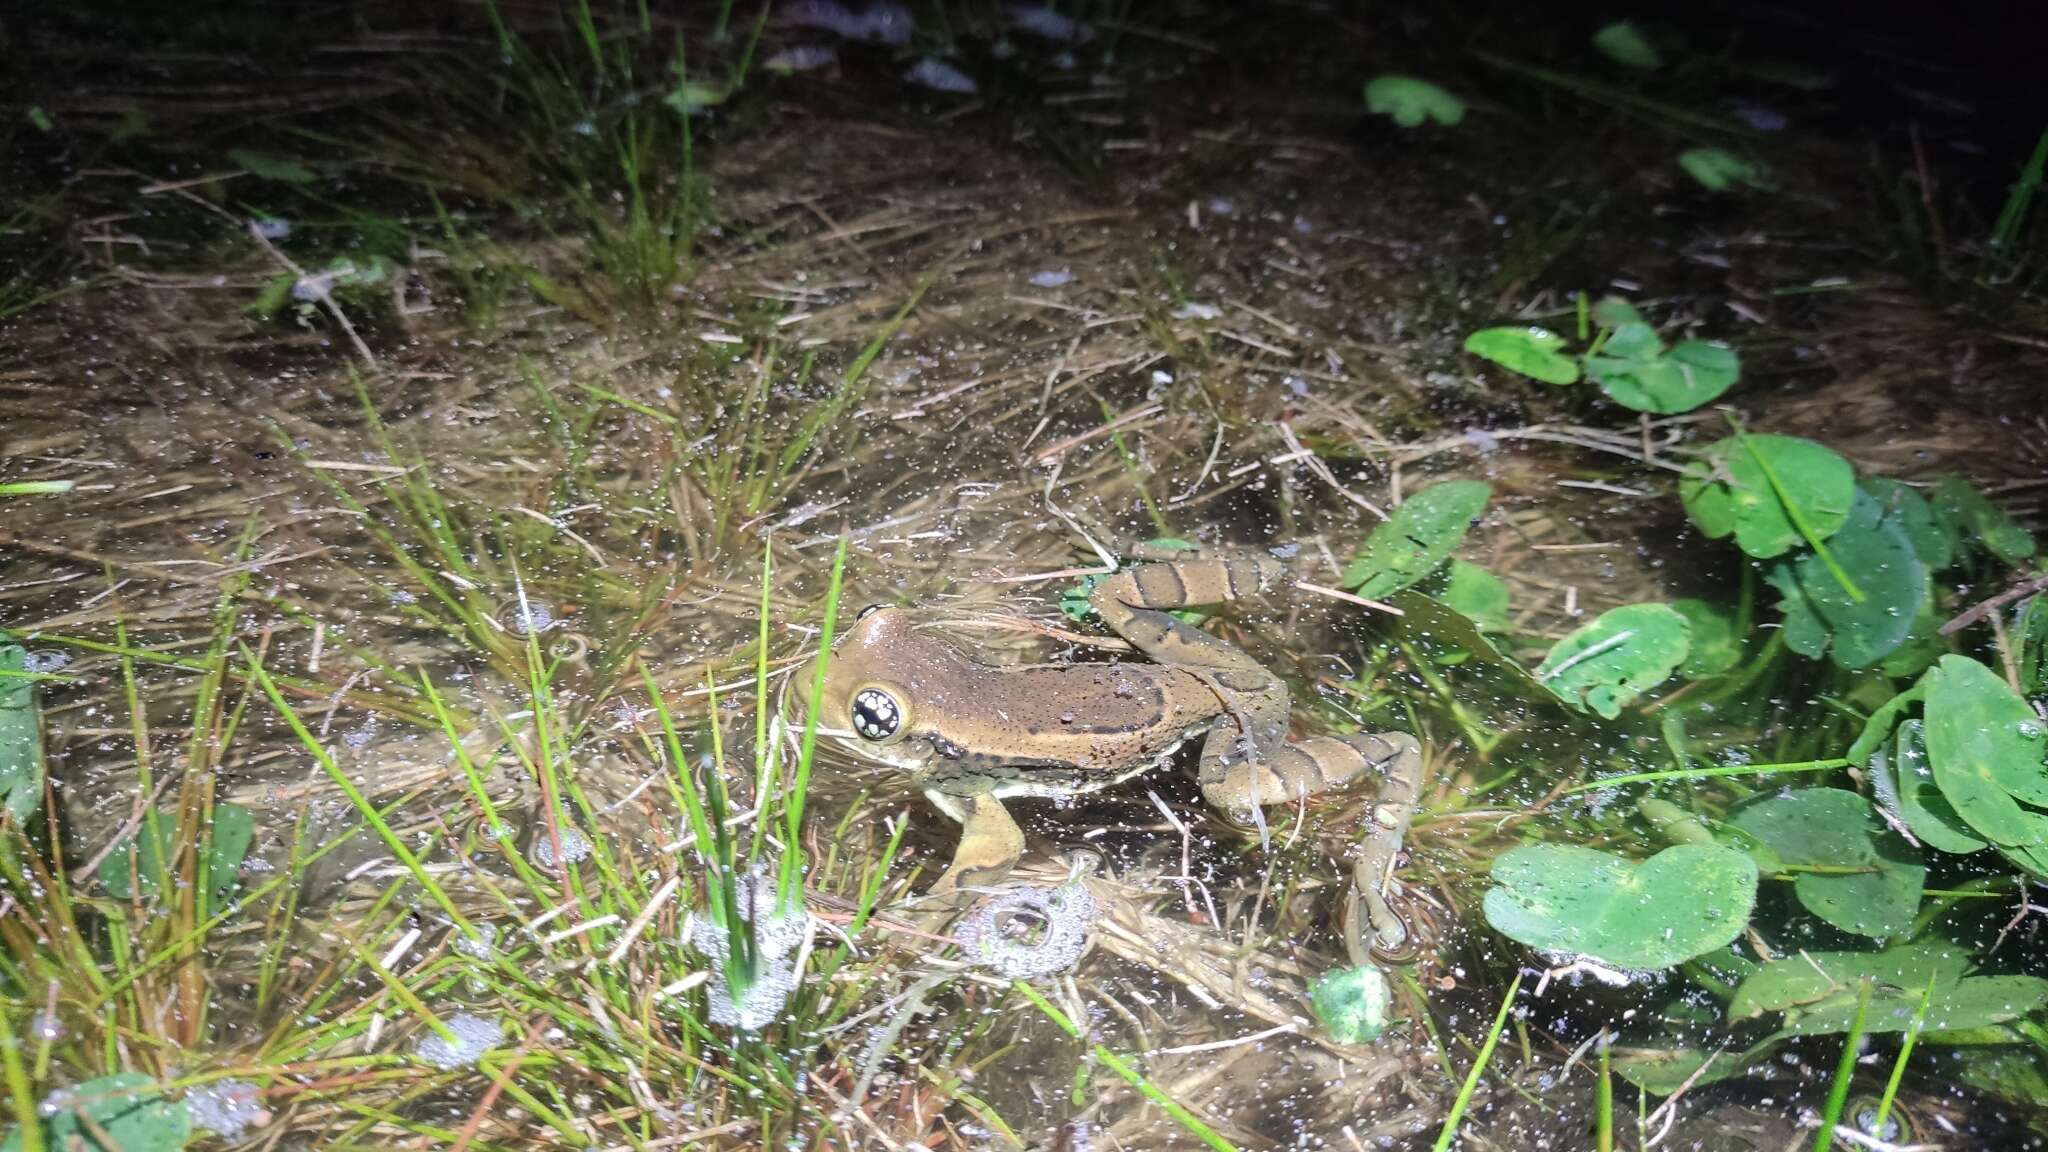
pixel 990 841
pixel 1286 772
pixel 1136 604
pixel 1237 786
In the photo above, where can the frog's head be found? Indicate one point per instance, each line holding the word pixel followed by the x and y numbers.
pixel 871 678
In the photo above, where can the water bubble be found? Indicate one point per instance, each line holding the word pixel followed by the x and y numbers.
pixel 778 936
pixel 227 1108
pixel 575 846
pixel 39 663
pixel 524 616
pixel 1027 932
pixel 480 946
pixel 470 1036
pixel 45 1026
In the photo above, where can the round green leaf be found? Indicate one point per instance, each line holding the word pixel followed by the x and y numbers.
pixel 1975 518
pixel 1624 43
pixel 1831 827
pixel 1472 592
pixel 1985 745
pixel 1684 901
pixel 1715 646
pixel 234 830
pixel 1693 373
pixel 1410 101
pixel 1718 169
pixel 2031 854
pixel 125 1112
pixel 1933 537
pixel 1904 784
pixel 1633 340
pixel 1663 1071
pixel 1730 492
pixel 1815 978
pixel 1352 1004
pixel 1881 562
pixel 1613 312
pixel 1417 538
pixel 1623 653
pixel 1527 349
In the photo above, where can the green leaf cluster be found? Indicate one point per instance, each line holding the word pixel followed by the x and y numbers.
pixel 1627 359
pixel 1972 773
pixel 1863 878
pixel 1855 559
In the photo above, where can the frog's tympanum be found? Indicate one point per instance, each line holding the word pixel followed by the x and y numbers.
pixel 972 734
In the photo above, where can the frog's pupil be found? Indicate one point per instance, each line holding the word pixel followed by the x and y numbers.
pixel 875 714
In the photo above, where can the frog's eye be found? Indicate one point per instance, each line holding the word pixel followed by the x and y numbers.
pixel 876 715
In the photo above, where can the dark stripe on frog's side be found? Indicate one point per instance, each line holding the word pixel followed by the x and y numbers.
pixel 1160 584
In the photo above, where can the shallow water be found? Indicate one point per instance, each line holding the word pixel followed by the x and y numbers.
pixel 1145 282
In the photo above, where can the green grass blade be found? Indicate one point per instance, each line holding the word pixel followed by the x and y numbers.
pixel 1464 1100
pixel 1132 1076
pixel 355 795
pixel 1845 1071
pixel 793 800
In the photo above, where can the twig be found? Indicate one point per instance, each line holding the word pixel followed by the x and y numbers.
pixel 1984 608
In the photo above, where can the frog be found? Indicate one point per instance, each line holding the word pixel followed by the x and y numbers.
pixel 972 734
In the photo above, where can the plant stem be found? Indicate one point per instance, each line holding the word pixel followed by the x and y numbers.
pixel 1845 1071
pixel 1464 1100
pixel 1721 770
pixel 1891 1085
pixel 1603 1100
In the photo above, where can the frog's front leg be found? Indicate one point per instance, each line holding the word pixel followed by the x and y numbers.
pixel 990 841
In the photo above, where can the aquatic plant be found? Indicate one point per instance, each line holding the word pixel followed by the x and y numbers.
pixel 1625 357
